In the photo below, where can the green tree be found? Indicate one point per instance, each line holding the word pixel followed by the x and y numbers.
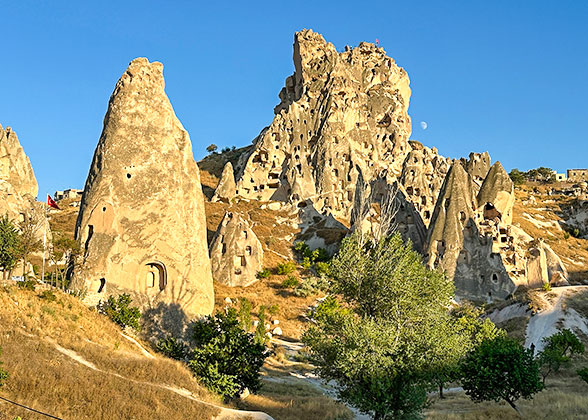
pixel 466 331
pixel 558 351
pixel 212 148
pixel 517 177
pixel 226 358
pixel 500 369
pixel 29 242
pixel 381 343
pixel 119 311
pixel 9 245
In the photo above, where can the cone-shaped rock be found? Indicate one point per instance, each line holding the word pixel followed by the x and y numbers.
pixel 18 185
pixel 235 252
pixel 497 193
pixel 226 187
pixel 141 225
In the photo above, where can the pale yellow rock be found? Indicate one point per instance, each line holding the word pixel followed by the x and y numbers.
pixel 235 252
pixel 340 113
pixel 141 225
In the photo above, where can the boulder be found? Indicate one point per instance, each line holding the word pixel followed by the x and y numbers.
pixel 235 252
pixel 141 226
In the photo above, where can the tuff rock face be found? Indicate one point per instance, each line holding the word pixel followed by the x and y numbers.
pixel 141 225
pixel 226 187
pixel 18 185
pixel 235 252
pixel 340 114
pixel 472 239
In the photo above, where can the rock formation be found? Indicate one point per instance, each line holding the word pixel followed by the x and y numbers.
pixel 141 225
pixel 226 187
pixel 18 185
pixel 340 113
pixel 236 254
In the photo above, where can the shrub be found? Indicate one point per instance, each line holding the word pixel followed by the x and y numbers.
pixel 546 287
pixel 302 249
pixel 320 255
pixel 290 282
pixel 264 274
pixel 274 309
pixel 119 311
pixel 245 307
pixel 28 284
pixel 48 295
pixel 583 373
pixel 323 268
pixel 227 359
pixel 566 235
pixel 312 286
pixel 286 268
pixel 260 332
pixel 172 347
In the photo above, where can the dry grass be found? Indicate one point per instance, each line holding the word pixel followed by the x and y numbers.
pixel 43 378
pixel 573 251
pixel 295 401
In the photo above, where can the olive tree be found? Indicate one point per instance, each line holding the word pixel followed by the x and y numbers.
pixel 9 245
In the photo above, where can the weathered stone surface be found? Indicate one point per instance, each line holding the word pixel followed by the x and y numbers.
pixel 18 185
pixel 226 186
pixel 477 166
pixel 141 225
pixel 339 113
pixel 497 194
pixel 423 173
pixel 235 252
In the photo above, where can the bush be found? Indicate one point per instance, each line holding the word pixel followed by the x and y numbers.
pixel 286 268
pixel 245 307
pixel 260 332
pixel 227 359
pixel 172 347
pixel 546 287
pixel 274 309
pixel 323 268
pixel 290 282
pixel 119 311
pixel 28 284
pixel 566 235
pixel 583 373
pixel 264 274
pixel 48 295
pixel 312 286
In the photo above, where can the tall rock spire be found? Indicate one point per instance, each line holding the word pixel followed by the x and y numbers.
pixel 339 111
pixel 141 226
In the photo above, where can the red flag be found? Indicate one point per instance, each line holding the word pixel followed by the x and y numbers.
pixel 377 41
pixel 52 203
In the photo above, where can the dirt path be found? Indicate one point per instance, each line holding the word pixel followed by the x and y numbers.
pixel 545 323
pixel 224 413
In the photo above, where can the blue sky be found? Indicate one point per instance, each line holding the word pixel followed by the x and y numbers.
pixel 510 77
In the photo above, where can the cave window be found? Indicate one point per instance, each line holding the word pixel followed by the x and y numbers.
pixel 90 234
pixel 424 200
pixel 495 277
pixel 243 261
pixel 128 176
pixel 244 234
pixel 248 250
pixel 224 250
pixel 102 285
pixel 237 271
pixel 427 214
pixel 103 209
pixel 462 216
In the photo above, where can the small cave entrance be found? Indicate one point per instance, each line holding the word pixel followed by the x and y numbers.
pixel 490 212
pixel 156 275
pixel 102 285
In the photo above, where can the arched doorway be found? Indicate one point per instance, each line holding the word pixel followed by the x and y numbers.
pixel 156 275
